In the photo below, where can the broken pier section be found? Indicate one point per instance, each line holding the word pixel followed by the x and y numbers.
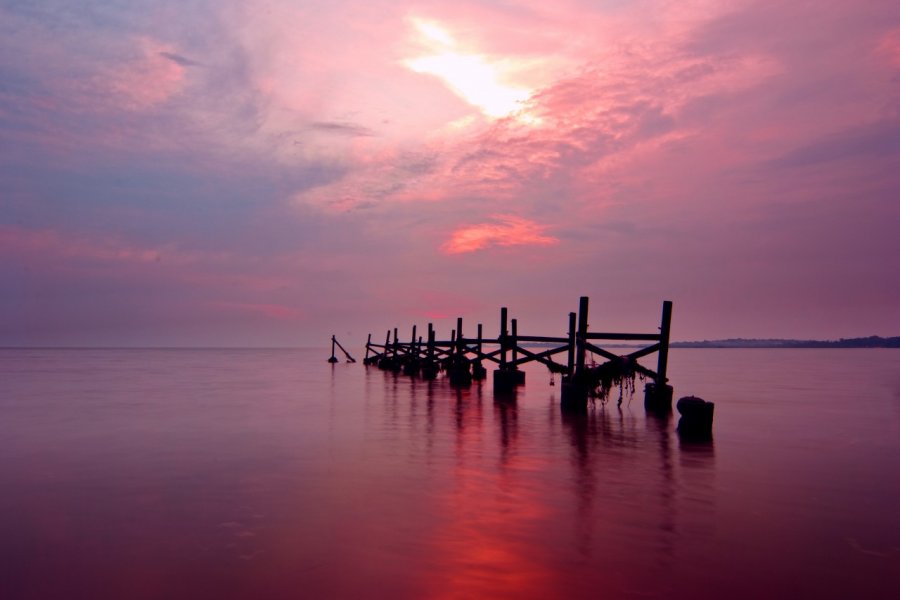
pixel 463 359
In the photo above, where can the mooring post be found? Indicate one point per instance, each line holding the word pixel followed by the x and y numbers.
pixel 574 392
pixel 430 342
pixel 459 336
pixel 658 393
pixel 570 363
pixel 333 358
pixel 368 343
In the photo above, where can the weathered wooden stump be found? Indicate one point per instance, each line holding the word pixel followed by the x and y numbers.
pixel 504 381
pixel 519 376
pixel 430 370
pixel 478 371
pixel 573 395
pixel 696 418
pixel 658 398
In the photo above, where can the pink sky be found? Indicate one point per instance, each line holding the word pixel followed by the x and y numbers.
pixel 244 173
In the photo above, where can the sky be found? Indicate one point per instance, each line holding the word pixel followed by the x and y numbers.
pixel 270 173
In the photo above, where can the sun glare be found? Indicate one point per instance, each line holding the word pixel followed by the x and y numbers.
pixel 470 76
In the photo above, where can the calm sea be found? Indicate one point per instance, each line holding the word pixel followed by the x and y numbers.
pixel 271 474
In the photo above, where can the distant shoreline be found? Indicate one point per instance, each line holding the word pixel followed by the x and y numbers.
pixel 873 341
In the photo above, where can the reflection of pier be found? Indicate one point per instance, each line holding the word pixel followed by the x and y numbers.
pixel 462 359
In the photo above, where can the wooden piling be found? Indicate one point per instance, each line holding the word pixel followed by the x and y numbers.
pixel 664 328
pixel 478 370
pixel 519 376
pixel 503 342
pixel 333 358
pixel 658 393
pixel 463 358
pixel 574 392
pixel 581 338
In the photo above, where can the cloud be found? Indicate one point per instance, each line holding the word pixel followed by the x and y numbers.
pixel 178 59
pixel 348 129
pixel 146 81
pixel 507 230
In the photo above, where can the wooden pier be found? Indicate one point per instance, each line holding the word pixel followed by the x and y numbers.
pixel 463 359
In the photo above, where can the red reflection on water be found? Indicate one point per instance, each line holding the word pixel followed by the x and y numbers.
pixel 484 548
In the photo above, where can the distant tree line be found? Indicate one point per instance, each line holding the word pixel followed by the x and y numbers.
pixel 873 341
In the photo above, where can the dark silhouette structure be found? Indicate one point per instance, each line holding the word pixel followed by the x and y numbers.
pixel 463 359
pixel 333 358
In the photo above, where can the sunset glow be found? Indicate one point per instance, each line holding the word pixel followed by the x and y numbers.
pixel 472 77
pixel 507 231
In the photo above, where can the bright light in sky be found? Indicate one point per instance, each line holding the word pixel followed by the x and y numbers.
pixel 471 76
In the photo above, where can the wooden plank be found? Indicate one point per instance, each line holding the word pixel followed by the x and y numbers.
pixel 649 337
pixel 543 338
pixel 542 357
pixel 644 352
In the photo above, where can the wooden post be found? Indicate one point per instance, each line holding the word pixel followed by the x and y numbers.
pixel 478 370
pixel 333 358
pixel 368 342
pixel 394 347
pixel 570 364
pixel 581 340
pixel 658 394
pixel 514 342
pixel 574 392
pixel 430 369
pixel 459 336
pixel 518 376
pixel 411 360
pixel 503 338
pixel 664 328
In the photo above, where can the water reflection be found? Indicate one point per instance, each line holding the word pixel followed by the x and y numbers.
pixel 220 474
pixel 506 416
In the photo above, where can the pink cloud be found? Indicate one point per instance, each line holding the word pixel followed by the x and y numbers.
pixel 146 81
pixel 507 231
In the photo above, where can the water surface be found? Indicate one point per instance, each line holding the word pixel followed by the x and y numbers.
pixel 272 474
